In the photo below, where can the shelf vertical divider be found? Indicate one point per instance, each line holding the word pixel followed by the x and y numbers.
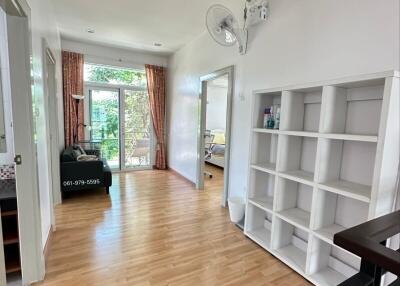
pixel 311 247
pixel 387 157
pixel 333 110
pixel 274 232
pixel 253 101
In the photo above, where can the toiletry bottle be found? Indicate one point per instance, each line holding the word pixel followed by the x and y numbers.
pixel 271 121
pixel 277 117
pixel 266 117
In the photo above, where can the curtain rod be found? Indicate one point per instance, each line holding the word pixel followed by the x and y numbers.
pixel 120 60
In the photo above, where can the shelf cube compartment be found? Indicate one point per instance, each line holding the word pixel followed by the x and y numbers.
pixel 297 158
pixel 10 229
pixel 347 167
pixel 258 225
pixel 290 244
pixel 12 258
pixel 264 151
pixel 335 213
pixel 301 110
pixel 352 110
pixel 261 102
pixel 261 192
pixel 330 265
pixel 293 202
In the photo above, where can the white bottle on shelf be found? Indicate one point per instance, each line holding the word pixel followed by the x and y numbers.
pixel 271 119
pixel 267 113
pixel 277 118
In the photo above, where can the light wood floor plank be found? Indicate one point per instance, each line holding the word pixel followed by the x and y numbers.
pixel 156 229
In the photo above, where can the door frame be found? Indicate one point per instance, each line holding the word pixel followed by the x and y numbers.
pixel 88 107
pixel 51 111
pixel 122 139
pixel 230 71
pixel 21 68
pixel 121 97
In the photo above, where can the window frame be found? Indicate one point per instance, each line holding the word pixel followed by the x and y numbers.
pixel 88 85
pixel 117 85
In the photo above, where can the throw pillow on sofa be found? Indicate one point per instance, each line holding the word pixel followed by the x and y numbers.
pixel 85 157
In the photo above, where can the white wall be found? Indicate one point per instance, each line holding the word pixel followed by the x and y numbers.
pixel 303 41
pixel 216 107
pixel 44 26
pixel 98 54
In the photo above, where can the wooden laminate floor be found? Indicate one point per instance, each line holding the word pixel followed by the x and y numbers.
pixel 156 229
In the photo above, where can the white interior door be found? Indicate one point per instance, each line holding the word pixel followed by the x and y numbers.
pixel 52 115
pixel 31 250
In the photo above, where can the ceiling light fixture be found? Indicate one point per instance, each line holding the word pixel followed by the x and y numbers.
pixel 91 31
pixel 157 44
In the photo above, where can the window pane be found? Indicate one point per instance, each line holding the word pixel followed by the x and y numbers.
pixel 104 123
pixel 137 129
pixel 114 75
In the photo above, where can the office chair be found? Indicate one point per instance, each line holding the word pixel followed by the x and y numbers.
pixel 208 145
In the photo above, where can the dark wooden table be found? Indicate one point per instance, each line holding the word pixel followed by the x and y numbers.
pixel 368 241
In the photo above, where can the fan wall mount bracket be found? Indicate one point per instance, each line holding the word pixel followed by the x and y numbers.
pixel 224 28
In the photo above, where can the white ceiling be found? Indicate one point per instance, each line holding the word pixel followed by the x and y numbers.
pixel 136 24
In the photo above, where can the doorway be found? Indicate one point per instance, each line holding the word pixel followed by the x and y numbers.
pixel 119 120
pixel 215 129
pixel 51 111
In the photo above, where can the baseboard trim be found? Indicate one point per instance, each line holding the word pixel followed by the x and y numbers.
pixel 48 241
pixel 181 176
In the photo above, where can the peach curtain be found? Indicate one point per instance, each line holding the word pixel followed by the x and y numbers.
pixel 73 66
pixel 156 77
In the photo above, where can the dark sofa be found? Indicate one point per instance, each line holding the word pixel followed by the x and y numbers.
pixel 83 175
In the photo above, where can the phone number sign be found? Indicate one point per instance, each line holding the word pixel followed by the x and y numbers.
pixel 77 183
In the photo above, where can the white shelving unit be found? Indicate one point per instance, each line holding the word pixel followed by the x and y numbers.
pixel 290 244
pixel 332 165
pixel 330 265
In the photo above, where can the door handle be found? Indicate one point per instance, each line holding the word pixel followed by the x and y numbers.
pixel 18 159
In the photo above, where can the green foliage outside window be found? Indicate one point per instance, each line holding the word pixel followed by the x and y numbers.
pixel 105 110
pixel 105 123
pixel 111 75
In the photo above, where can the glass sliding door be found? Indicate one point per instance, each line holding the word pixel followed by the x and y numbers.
pixel 137 129
pixel 119 115
pixel 104 107
pixel 120 122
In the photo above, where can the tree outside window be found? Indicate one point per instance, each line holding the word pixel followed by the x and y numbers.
pixel 105 111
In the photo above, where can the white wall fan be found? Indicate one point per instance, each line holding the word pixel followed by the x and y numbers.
pixel 224 28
